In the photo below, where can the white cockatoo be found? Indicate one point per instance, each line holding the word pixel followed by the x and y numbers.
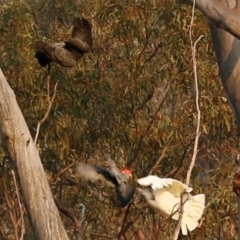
pixel 165 196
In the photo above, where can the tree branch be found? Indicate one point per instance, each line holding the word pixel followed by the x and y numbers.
pixel 195 150
pixel 50 103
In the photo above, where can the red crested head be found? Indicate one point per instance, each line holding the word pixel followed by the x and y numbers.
pixel 126 171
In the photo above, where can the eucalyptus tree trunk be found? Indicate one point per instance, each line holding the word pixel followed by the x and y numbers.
pixel 224 23
pixel 20 148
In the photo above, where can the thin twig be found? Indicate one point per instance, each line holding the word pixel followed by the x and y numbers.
pixel 20 207
pixel 180 210
pixel 10 204
pixel 198 133
pixel 158 161
pixel 133 160
pixel 124 225
pixel 50 103
pixel 195 149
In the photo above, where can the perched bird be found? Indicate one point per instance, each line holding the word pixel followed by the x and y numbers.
pixel 69 52
pixel 164 195
pixel 113 177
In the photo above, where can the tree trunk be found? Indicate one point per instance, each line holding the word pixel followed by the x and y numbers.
pixel 224 16
pixel 227 50
pixel 224 19
pixel 19 146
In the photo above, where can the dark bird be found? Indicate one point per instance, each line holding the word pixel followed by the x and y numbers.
pixel 69 52
pixel 113 177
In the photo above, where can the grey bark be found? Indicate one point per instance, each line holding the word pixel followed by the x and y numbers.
pixel 224 24
pixel 19 146
pixel 224 16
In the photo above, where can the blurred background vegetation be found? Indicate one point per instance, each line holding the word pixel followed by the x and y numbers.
pixel 133 93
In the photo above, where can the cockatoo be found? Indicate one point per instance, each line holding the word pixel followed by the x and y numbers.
pixel 69 52
pixel 165 196
pixel 114 178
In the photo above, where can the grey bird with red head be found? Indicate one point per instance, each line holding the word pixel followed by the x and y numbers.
pixel 114 178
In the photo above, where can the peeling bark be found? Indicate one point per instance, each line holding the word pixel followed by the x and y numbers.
pixel 19 146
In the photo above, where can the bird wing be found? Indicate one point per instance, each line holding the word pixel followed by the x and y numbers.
pixel 125 190
pixel 177 188
pixel 47 52
pixel 81 38
pixel 94 173
pixel 155 182
pixel 120 177
pixel 43 53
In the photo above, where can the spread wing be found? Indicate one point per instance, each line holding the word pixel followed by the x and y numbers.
pixel 120 177
pixel 155 182
pixel 177 188
pixel 44 53
pixel 81 39
pixel 94 173
pixel 56 52
pixel 124 189
pixel 67 53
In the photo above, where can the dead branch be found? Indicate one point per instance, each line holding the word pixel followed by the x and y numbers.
pixel 158 161
pixel 195 150
pixel 123 227
pixel 177 230
pixel 50 103
pixel 133 161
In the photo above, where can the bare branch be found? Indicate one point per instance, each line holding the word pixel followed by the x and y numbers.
pixel 158 161
pixel 124 226
pixel 193 47
pixel 133 160
pixel 177 230
pixel 195 150
pixel 50 103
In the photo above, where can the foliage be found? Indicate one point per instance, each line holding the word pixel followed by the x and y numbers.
pixel 115 98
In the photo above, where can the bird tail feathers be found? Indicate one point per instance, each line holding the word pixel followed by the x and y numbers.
pixel 193 210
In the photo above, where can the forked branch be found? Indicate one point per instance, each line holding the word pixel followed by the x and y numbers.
pixel 50 103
